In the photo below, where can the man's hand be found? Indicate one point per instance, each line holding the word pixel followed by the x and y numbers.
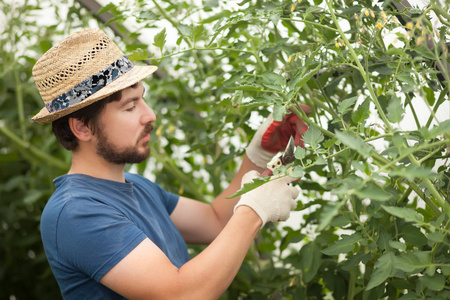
pixel 272 201
pixel 273 136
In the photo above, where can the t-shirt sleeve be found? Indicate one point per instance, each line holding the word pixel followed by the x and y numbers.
pixel 94 237
pixel 170 200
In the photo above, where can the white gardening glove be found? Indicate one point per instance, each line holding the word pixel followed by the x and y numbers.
pixel 255 151
pixel 272 201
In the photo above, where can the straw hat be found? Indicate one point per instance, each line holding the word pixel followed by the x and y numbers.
pixel 84 68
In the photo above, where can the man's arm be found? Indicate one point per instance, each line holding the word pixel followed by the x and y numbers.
pixel 200 223
pixel 147 273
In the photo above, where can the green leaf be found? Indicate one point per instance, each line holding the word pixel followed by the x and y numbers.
pixel 148 15
pixel 344 245
pixel 434 283
pixel 197 31
pixel 184 29
pixel 272 78
pixel 160 39
pixel 429 95
pixel 106 8
pixel 297 172
pixel 397 245
pixel 355 143
pixel 328 213
pixel 404 213
pixel 310 261
pixel 247 87
pixel 313 136
pixel 320 161
pixel 413 171
pixel 406 262
pixel 354 261
pixel 412 235
pixel 250 186
pixel 300 80
pixel 425 52
pixel 346 105
pixel 436 237
pixel 373 192
pixel 383 269
pixel 299 153
pixel 445 270
pixel 222 13
pixel 406 78
pixel 279 111
pixel 138 54
pixel 395 110
pixel 442 128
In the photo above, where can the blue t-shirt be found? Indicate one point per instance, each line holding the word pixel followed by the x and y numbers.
pixel 90 224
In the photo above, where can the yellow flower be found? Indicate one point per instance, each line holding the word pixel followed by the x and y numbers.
pixel 159 132
pixel 372 14
pixel 337 45
pixel 383 16
pixel 409 25
pixel 356 17
pixel 290 58
pixel 293 7
pixel 379 26
pixel 420 40
pixel 299 1
pixel 341 42
pixel 366 12
pixel 171 128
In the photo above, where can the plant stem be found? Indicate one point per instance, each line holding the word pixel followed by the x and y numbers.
pixel 255 54
pixel 19 99
pixel 310 23
pixel 360 67
pixel 33 150
pixel 430 186
pixel 179 175
pixel 431 154
pixel 175 24
pixel 301 114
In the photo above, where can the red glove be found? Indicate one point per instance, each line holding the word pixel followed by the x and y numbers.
pixel 272 137
pixel 276 137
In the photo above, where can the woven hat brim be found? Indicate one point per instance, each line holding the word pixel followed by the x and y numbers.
pixel 136 74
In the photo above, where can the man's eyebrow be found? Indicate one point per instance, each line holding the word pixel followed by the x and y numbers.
pixel 128 100
pixel 132 99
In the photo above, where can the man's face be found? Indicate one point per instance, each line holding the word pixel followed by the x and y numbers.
pixel 124 128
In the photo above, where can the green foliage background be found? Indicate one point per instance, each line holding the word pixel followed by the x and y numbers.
pixel 375 197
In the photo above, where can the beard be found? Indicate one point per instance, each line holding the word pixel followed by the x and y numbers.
pixel 129 155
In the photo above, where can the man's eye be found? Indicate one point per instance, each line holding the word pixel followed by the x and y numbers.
pixel 131 108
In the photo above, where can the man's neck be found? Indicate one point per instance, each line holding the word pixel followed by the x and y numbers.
pixel 96 166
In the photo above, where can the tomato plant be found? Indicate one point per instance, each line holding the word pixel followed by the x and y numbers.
pixel 373 216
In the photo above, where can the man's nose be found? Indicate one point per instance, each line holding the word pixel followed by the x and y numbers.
pixel 148 115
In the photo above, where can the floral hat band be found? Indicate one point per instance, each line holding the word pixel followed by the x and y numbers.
pixel 91 85
pixel 83 68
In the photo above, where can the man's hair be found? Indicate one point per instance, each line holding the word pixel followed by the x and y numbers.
pixel 89 115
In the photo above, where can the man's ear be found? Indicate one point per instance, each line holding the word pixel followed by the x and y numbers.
pixel 80 130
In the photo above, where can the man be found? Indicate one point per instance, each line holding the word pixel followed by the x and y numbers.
pixel 113 235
